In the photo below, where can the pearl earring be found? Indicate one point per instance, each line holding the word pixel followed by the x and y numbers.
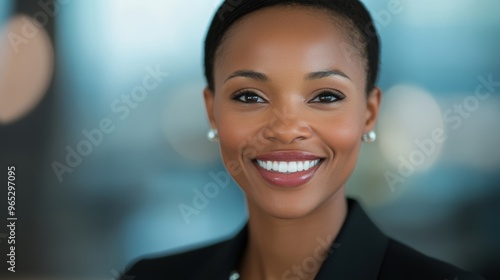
pixel 369 137
pixel 213 135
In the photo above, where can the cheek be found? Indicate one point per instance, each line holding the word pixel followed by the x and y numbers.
pixel 343 130
pixel 236 132
pixel 232 139
pixel 238 142
pixel 343 137
pixel 344 134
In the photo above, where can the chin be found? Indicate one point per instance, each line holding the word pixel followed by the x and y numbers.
pixel 290 211
pixel 287 206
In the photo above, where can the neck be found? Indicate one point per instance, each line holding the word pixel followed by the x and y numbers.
pixel 291 248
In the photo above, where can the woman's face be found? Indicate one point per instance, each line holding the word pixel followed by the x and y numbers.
pixel 290 97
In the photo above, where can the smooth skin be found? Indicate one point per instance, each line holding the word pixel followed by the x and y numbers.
pixel 282 82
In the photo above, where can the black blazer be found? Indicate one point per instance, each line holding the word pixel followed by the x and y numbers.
pixel 360 251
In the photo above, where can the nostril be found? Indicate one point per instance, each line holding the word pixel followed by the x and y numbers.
pixel 268 133
pixel 289 133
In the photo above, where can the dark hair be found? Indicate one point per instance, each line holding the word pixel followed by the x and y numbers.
pixel 353 13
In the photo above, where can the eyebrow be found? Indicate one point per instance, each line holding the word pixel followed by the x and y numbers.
pixel 325 73
pixel 261 77
pixel 249 74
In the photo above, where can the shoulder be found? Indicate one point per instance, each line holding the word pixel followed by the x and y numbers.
pixel 403 262
pixel 215 261
pixel 174 266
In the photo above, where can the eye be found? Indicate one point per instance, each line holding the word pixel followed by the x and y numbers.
pixel 328 96
pixel 247 96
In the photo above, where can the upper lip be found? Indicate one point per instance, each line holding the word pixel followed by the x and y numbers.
pixel 287 156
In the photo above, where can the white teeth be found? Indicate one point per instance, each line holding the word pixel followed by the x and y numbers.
pixel 306 165
pixel 269 165
pixel 275 166
pixel 283 167
pixel 287 166
pixel 300 166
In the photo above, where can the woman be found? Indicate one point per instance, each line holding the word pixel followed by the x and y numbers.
pixel 291 96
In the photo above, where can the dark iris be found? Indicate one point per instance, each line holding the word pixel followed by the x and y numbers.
pixel 248 97
pixel 328 97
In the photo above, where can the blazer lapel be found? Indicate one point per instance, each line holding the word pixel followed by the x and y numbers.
pixel 224 260
pixel 358 250
pixel 356 253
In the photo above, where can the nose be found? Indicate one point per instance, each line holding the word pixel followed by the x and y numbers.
pixel 287 126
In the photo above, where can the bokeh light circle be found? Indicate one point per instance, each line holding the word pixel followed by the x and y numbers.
pixel 408 120
pixel 26 67
pixel 186 125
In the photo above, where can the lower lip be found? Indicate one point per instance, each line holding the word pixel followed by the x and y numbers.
pixel 288 179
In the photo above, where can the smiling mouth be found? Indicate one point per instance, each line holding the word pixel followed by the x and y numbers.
pixel 289 173
pixel 287 167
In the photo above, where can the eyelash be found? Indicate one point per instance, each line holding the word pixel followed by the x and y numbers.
pixel 242 93
pixel 329 93
pixel 338 96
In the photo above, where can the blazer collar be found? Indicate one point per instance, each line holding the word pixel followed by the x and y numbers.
pixel 356 253
pixel 224 259
pixel 358 250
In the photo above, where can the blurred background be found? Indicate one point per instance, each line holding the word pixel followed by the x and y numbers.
pixel 101 113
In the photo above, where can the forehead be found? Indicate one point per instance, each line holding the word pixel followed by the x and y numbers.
pixel 288 39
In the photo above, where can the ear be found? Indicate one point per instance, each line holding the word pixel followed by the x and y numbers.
pixel 209 96
pixel 372 108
